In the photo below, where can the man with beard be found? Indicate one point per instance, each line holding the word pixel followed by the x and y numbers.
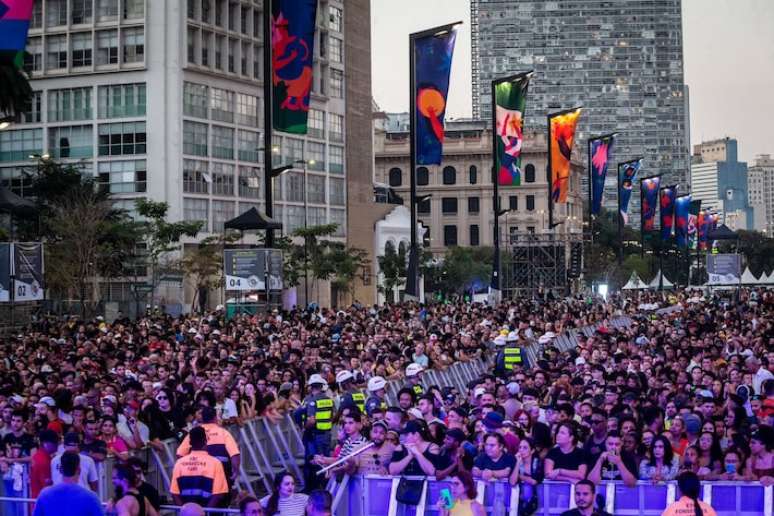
pixel 128 501
pixel 584 501
pixel 375 460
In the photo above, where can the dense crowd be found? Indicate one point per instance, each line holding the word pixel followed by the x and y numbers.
pixel 691 390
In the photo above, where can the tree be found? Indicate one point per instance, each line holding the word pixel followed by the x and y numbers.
pixel 161 237
pixel 348 263
pixel 756 247
pixel 392 265
pixel 466 269
pixel 15 90
pixel 204 263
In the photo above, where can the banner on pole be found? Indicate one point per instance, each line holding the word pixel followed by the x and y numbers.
pixel 682 209
pixel 667 203
pixel 292 54
pixel 510 100
pixel 562 135
pixel 627 174
pixel 432 65
pixel 27 271
pixel 650 187
pixel 5 272
pixel 246 269
pixel 600 155
pixel 724 269
pixel 15 18
pixel 693 224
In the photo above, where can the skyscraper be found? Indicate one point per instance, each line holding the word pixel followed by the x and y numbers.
pixel 622 60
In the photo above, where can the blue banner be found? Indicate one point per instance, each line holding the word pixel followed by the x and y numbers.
pixel 667 211
pixel 682 210
pixel 601 152
pixel 650 188
pixel 627 173
pixel 432 66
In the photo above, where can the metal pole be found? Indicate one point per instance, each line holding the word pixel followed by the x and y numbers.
pixel 306 247
pixel 620 217
pixel 549 173
pixel 495 197
pixel 642 224
pixel 267 118
pixel 412 287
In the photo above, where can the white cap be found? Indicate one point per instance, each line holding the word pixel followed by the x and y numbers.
pixel 343 376
pixel 316 379
pixel 512 337
pixel 513 388
pixel 500 341
pixel 580 361
pixel 216 332
pixel 48 400
pixel 478 392
pixel 414 412
pixel 376 383
pixel 545 339
pixel 413 369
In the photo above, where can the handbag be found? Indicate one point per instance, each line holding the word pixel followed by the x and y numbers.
pixel 409 491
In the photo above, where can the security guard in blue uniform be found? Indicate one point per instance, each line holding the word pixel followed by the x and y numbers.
pixel 350 396
pixel 376 401
pixel 315 416
pixel 509 354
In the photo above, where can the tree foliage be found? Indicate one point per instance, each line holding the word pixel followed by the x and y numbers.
pixel 204 263
pixel 393 265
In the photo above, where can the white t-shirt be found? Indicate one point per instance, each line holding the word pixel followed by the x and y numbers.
pixel 228 409
pixel 294 505
pixel 88 471
pixel 126 433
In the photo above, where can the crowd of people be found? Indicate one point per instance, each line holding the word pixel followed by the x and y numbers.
pixel 687 392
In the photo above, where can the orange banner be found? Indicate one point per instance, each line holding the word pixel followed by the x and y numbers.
pixel 562 137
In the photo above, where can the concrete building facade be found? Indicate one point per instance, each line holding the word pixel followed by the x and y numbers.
pixel 163 99
pixel 621 60
pixel 760 183
pixel 720 181
pixel 460 210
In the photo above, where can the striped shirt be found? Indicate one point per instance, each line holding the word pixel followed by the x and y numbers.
pixel 294 505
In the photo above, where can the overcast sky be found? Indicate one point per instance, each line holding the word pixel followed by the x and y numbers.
pixel 728 51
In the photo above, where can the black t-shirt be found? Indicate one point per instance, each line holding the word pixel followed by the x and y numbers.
pixel 611 472
pixel 576 512
pixel 593 450
pixel 484 461
pixel 413 468
pixel 150 492
pixel 25 441
pixel 570 461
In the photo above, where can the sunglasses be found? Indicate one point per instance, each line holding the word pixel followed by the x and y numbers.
pixel 376 459
pixel 159 398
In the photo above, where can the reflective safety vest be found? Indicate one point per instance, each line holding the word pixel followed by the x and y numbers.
pixel 359 399
pixel 512 357
pixel 323 414
pixel 418 390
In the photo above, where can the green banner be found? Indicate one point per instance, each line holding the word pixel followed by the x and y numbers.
pixel 509 103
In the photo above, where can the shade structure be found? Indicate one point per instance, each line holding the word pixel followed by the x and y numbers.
pixel 767 280
pixel 12 203
pixel 748 278
pixel 722 232
pixel 655 283
pixel 252 220
pixel 634 283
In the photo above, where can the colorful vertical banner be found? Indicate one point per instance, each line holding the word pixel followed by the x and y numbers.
pixel 600 153
pixel 27 271
pixel 693 224
pixel 667 211
pixel 682 209
pixel 627 174
pixel 5 272
pixel 561 137
pixel 292 54
pixel 650 187
pixel 432 56
pixel 510 96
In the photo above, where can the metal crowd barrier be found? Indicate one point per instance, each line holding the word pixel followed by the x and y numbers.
pixel 375 496
pixel 166 510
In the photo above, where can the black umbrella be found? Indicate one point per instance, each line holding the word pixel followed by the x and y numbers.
pixel 252 219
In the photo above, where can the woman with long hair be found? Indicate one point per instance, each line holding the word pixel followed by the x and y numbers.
pixel 464 493
pixel 661 463
pixel 760 466
pixel 283 500
pixel 709 454
pixel 689 502
pixel 528 473
pixel 417 456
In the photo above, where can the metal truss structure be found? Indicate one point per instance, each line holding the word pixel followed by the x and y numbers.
pixel 541 262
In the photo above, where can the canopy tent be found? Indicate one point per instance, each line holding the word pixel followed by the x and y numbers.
pixel 656 281
pixel 252 220
pixel 767 280
pixel 748 278
pixel 12 203
pixel 722 232
pixel 635 283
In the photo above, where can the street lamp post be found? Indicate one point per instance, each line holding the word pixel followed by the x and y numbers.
pixel 304 163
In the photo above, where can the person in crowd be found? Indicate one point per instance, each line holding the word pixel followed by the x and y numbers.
pixel 88 477
pixel 191 509
pixel 565 461
pixel 585 498
pixel 416 456
pixel 614 463
pixel 375 460
pixel 709 455
pixel 197 476
pixel 463 497
pixel 661 463
pixel 40 468
pixel 134 432
pixel 689 503
pixel 494 463
pixel 68 498
pixel 320 503
pixel 760 466
pixel 283 500
pixel 144 487
pixel 220 444
pixel 115 445
pixel 128 500
pixel 250 506
pixel 527 473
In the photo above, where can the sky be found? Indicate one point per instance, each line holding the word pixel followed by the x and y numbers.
pixel 728 56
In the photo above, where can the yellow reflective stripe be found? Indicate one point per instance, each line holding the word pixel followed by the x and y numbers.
pixel 324 403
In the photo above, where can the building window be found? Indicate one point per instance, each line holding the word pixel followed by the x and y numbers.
pixel 122 138
pixel 295 217
pixel 222 211
pixel 222 179
pixel 196 210
pixel 336 166
pixel 36 21
pixel 18 145
pixel 56 52
pixel 473 204
pixel 221 105
pixel 194 174
pixel 474 235
pixel 82 47
pixel 473 174
pixel 123 176
pixel 335 127
pixel 530 203
pixel 80 11
pixel 449 176
pixel 337 192
pixel 339 217
pixel 396 177
pixel 33 58
pixel 249 182
pixel 71 104
pixel 336 84
pixel 134 45
pixel 133 9
pixel 315 189
pixel 248 146
pixel 449 235
pixel 529 173
pixel 107 47
pixel 222 142
pixel 449 205
pixel 107 10
pixel 334 18
pixel 294 183
pixel 315 156
pixel 513 203
pixel 336 50
pixel 294 149
pixel 247 110
pixel 424 207
pixel 195 100
pixel 71 142
pixel 56 13
pixel 423 176
pixel 122 100
pixel 316 123
pixel 32 109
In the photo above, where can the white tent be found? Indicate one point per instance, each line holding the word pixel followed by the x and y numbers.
pixel 767 280
pixel 655 283
pixel 748 278
pixel 634 283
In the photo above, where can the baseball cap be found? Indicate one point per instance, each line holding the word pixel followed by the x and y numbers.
pixel 456 434
pixel 493 420
pixel 692 423
pixel 48 400
pixel 72 439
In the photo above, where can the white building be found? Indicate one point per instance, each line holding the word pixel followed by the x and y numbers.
pixel 760 181
pixel 163 99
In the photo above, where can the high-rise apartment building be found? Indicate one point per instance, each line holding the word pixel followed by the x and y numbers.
pixel 163 99
pixel 760 183
pixel 622 60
